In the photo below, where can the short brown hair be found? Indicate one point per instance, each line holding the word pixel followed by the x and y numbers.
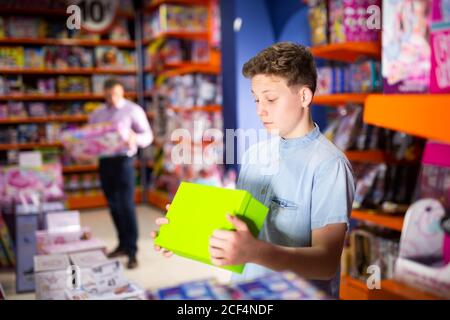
pixel 112 82
pixel 288 60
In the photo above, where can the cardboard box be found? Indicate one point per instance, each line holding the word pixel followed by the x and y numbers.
pixel 51 276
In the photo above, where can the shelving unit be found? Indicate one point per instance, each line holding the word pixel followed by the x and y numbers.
pixel 90 199
pixel 58 97
pixel 74 71
pixel 379 218
pixel 94 201
pixel 162 71
pixel 423 115
pixel 353 289
pixel 339 99
pixel 347 52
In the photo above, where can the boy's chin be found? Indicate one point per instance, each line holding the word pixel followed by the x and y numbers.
pixel 273 131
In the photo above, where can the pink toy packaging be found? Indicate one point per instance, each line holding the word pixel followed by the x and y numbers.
pixel 440 47
pixel 406 26
pixel 423 260
pixel 97 140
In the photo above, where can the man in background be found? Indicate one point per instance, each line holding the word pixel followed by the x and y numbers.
pixel 117 175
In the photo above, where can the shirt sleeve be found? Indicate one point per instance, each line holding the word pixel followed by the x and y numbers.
pixel 140 125
pixel 332 194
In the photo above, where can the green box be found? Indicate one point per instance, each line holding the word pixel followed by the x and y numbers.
pixel 197 210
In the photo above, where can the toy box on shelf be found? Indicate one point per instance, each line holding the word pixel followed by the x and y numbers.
pixel 400 52
pixel 440 47
pixel 424 248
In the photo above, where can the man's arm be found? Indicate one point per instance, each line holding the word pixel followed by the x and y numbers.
pixel 141 127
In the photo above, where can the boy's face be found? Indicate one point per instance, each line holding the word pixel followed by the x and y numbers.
pixel 279 106
pixel 114 95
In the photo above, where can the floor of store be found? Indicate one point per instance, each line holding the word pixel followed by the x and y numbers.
pixel 154 271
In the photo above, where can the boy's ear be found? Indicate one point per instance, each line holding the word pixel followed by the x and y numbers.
pixel 306 96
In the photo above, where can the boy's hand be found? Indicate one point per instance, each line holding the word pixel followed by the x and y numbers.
pixel 154 234
pixel 232 247
pixel 132 140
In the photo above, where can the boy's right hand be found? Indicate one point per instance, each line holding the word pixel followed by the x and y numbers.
pixel 154 234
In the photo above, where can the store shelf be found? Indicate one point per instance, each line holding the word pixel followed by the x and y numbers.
pixel 76 71
pixel 67 42
pixel 423 115
pixel 51 12
pixel 58 97
pixel 74 118
pixel 369 156
pixel 158 199
pixel 97 200
pixel 192 68
pixel 354 289
pixel 347 52
pixel 179 35
pixel 210 108
pixel 20 146
pixel 394 290
pixel 87 168
pixel 155 4
pixel 383 220
pixel 176 65
pixel 340 99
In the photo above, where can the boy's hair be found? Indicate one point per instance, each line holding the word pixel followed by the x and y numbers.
pixel 288 60
pixel 112 82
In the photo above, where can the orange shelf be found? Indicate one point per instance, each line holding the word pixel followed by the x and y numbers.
pixel 179 35
pixel 86 168
pixel 347 52
pixel 339 99
pixel 177 65
pixel 158 199
pixel 74 118
pixel 370 156
pixel 68 42
pixel 354 289
pixel 59 97
pixel 30 145
pixel 192 68
pixel 211 108
pixel 423 115
pixel 82 71
pixel 155 4
pixel 383 220
pixel 51 12
pixel 394 290
pixel 94 201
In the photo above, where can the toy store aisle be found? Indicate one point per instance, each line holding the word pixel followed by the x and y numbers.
pixel 154 271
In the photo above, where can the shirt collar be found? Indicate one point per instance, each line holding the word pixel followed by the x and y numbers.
pixel 301 141
pixel 120 104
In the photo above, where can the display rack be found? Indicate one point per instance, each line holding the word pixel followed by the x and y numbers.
pixel 91 199
pixel 166 70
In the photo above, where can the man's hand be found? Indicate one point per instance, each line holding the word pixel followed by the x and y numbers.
pixel 132 140
pixel 154 234
pixel 232 247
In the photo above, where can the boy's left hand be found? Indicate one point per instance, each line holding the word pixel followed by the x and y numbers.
pixel 232 247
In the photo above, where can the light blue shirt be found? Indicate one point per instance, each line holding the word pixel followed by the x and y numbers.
pixel 307 183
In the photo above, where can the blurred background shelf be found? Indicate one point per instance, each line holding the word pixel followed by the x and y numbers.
pixel 348 51
pixel 379 218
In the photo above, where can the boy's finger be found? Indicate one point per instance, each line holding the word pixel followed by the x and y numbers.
pixel 217 243
pixel 153 234
pixel 238 223
pixel 157 248
pixel 168 254
pixel 218 262
pixel 167 206
pixel 216 253
pixel 222 234
pixel 161 221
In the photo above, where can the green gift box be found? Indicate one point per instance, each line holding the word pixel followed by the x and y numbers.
pixel 197 210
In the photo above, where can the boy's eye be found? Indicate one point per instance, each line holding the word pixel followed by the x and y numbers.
pixel 256 101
